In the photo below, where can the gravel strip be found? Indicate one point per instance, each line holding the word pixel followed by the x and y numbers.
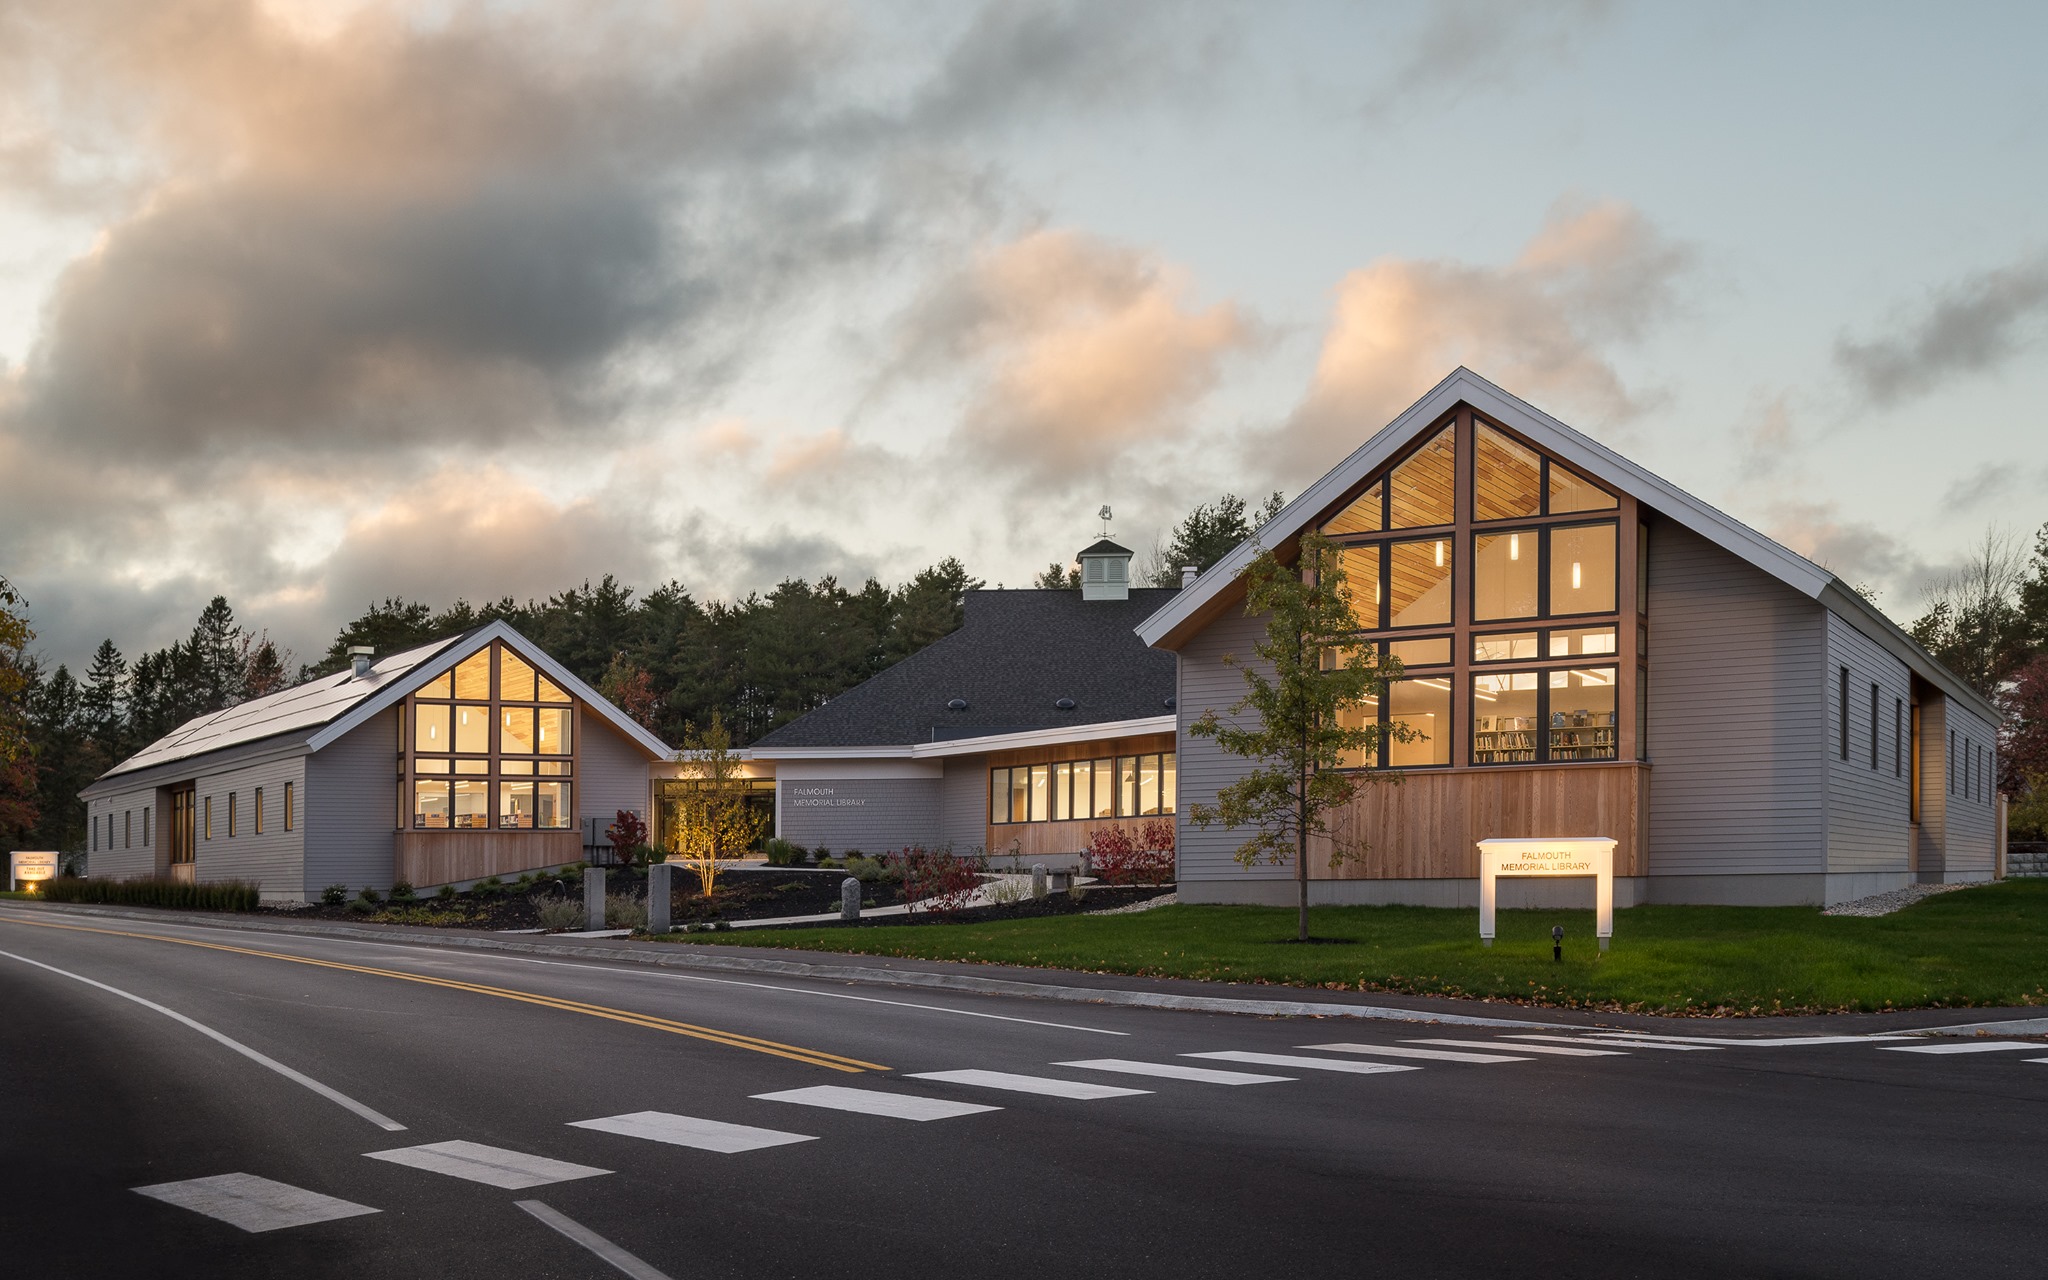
pixel 1163 900
pixel 1883 904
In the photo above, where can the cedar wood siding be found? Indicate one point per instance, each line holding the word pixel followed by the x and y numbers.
pixel 119 858
pixel 1934 797
pixel 1972 812
pixel 1868 816
pixel 1737 729
pixel 275 860
pixel 1205 681
pixel 615 774
pixel 963 802
pixel 351 806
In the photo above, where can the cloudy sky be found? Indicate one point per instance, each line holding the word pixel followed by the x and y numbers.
pixel 309 302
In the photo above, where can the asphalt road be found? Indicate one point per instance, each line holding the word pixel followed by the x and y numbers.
pixel 1867 1157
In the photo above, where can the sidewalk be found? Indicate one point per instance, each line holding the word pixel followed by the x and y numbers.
pixel 1066 985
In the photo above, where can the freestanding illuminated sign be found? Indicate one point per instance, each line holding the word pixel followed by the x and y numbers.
pixel 1548 858
pixel 30 867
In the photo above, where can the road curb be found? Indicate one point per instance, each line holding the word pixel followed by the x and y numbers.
pixel 680 956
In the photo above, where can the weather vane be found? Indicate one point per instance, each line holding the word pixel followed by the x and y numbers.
pixel 1104 514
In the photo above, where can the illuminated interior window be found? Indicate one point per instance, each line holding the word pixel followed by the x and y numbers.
pixel 442 686
pixel 473 729
pixel 515 678
pixel 1505 575
pixel 1424 705
pixel 1419 583
pixel 1569 492
pixel 430 728
pixel 1366 515
pixel 473 677
pixel 1424 486
pixel 1431 652
pixel 549 693
pixel 1508 477
pixel 1361 566
pixel 1582 569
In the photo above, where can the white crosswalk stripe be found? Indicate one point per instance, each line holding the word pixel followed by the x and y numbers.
pixel 492 1166
pixel 1404 1051
pixel 1077 1090
pixel 1960 1046
pixel 874 1102
pixel 691 1131
pixel 252 1203
pixel 1175 1071
pixel 1557 1049
pixel 1626 1044
pixel 1306 1064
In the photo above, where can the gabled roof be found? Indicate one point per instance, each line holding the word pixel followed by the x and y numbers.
pixel 1016 654
pixel 311 715
pixel 1103 548
pixel 1195 605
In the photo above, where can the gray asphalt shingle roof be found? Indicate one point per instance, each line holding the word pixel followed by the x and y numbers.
pixel 1016 655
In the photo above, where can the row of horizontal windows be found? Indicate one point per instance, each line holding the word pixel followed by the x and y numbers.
pixel 128 826
pixel 466 729
pixel 1559 644
pixel 259 809
pixel 1556 571
pixel 1517 717
pixel 1973 780
pixel 466 805
pixel 1070 790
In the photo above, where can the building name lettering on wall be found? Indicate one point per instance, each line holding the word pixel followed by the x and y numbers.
pixel 823 798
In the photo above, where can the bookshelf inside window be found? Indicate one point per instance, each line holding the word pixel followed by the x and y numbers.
pixel 1555 716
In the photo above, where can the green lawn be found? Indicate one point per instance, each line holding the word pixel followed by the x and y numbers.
pixel 1983 946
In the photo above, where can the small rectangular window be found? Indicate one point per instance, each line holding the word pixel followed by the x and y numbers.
pixel 1511 646
pixel 1148 784
pixel 1041 792
pixel 1020 795
pixel 1169 782
pixel 1951 762
pixel 1898 737
pixel 257 815
pixel 209 817
pixel 127 828
pixel 1126 786
pixel 1844 721
pixel 998 796
pixel 289 817
pixel 231 814
pixel 1873 726
pixel 1062 791
pixel 145 828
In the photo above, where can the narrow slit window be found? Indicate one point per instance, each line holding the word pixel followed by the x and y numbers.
pixel 1843 704
pixel 290 818
pixel 1873 725
pixel 257 815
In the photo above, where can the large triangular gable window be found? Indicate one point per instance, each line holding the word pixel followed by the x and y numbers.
pixel 1419 494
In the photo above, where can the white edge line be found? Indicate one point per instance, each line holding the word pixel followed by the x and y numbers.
pixel 597 1244
pixel 598 963
pixel 377 1118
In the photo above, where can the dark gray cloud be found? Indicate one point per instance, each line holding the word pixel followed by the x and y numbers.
pixel 342 279
pixel 1971 326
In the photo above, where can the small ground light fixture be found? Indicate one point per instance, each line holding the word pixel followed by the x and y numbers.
pixel 1557 942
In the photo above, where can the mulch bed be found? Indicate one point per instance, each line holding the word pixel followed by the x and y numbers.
pixel 747 893
pixel 1097 898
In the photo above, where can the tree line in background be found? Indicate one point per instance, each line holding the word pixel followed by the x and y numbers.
pixel 672 662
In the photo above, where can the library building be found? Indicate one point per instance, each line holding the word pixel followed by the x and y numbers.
pixel 1589 651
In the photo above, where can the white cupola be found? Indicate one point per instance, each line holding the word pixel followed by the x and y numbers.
pixel 1105 571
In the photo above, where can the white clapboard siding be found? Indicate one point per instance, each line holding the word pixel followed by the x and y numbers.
pixel 963 802
pixel 1205 682
pixel 1869 819
pixel 352 807
pixel 614 775
pixel 1736 726
pixel 275 858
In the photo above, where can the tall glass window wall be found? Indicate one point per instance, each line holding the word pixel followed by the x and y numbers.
pixel 1404 557
pixel 491 744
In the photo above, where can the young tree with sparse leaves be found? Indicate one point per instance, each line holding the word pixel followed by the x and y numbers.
pixel 18 811
pixel 1290 723
pixel 715 817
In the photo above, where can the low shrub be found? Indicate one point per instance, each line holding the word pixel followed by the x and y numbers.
pixel 218 895
pixel 334 894
pixel 624 911
pixel 488 887
pixel 783 853
pixel 403 891
pixel 369 895
pixel 1006 891
pixel 445 893
pixel 938 878
pixel 360 907
pixel 558 912
pixel 822 854
pixel 1117 855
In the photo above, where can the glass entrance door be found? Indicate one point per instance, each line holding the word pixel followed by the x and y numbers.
pixel 181 827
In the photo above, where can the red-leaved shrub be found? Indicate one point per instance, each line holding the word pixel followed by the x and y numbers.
pixel 938 878
pixel 1119 856
pixel 626 833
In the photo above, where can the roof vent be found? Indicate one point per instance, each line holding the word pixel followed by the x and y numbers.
pixel 1065 704
pixel 1167 703
pixel 956 704
pixel 359 657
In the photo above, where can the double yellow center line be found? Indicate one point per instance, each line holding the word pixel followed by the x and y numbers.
pixel 732 1039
